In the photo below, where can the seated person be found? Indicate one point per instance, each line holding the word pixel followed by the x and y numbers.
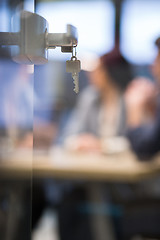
pixel 100 110
pixel 143 111
pixel 16 110
pixel 98 120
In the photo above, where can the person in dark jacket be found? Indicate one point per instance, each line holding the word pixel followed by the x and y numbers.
pixel 143 108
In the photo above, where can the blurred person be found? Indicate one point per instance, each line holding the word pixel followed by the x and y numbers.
pixel 143 120
pixel 20 108
pixel 16 110
pixel 143 112
pixel 46 115
pixel 99 114
pixel 16 119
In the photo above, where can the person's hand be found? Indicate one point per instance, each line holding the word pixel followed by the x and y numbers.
pixel 156 69
pixel 44 135
pixel 140 100
pixel 25 142
pixel 140 92
pixel 83 142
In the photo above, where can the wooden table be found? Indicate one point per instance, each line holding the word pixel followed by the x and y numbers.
pixel 58 163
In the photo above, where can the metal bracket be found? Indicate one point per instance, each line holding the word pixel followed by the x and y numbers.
pixel 31 42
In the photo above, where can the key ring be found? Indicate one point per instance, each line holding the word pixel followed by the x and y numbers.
pixel 73 57
pixel 74 54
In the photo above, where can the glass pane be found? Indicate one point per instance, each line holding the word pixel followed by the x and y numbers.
pixel 16 136
pixel 96 34
pixel 140 27
pixel 54 100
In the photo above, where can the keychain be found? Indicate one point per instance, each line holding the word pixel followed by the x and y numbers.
pixel 74 66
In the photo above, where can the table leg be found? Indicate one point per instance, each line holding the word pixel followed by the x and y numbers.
pixel 101 223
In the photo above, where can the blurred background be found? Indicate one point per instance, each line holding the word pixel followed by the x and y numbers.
pixel 36 103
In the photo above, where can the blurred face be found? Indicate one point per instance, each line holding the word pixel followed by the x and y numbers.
pixel 100 78
pixel 156 68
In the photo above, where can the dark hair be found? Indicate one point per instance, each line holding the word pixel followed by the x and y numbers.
pixel 157 42
pixel 118 68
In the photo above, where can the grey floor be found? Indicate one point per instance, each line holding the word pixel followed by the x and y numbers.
pixel 46 227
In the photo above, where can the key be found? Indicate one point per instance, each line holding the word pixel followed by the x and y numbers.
pixel 76 82
pixel 74 66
